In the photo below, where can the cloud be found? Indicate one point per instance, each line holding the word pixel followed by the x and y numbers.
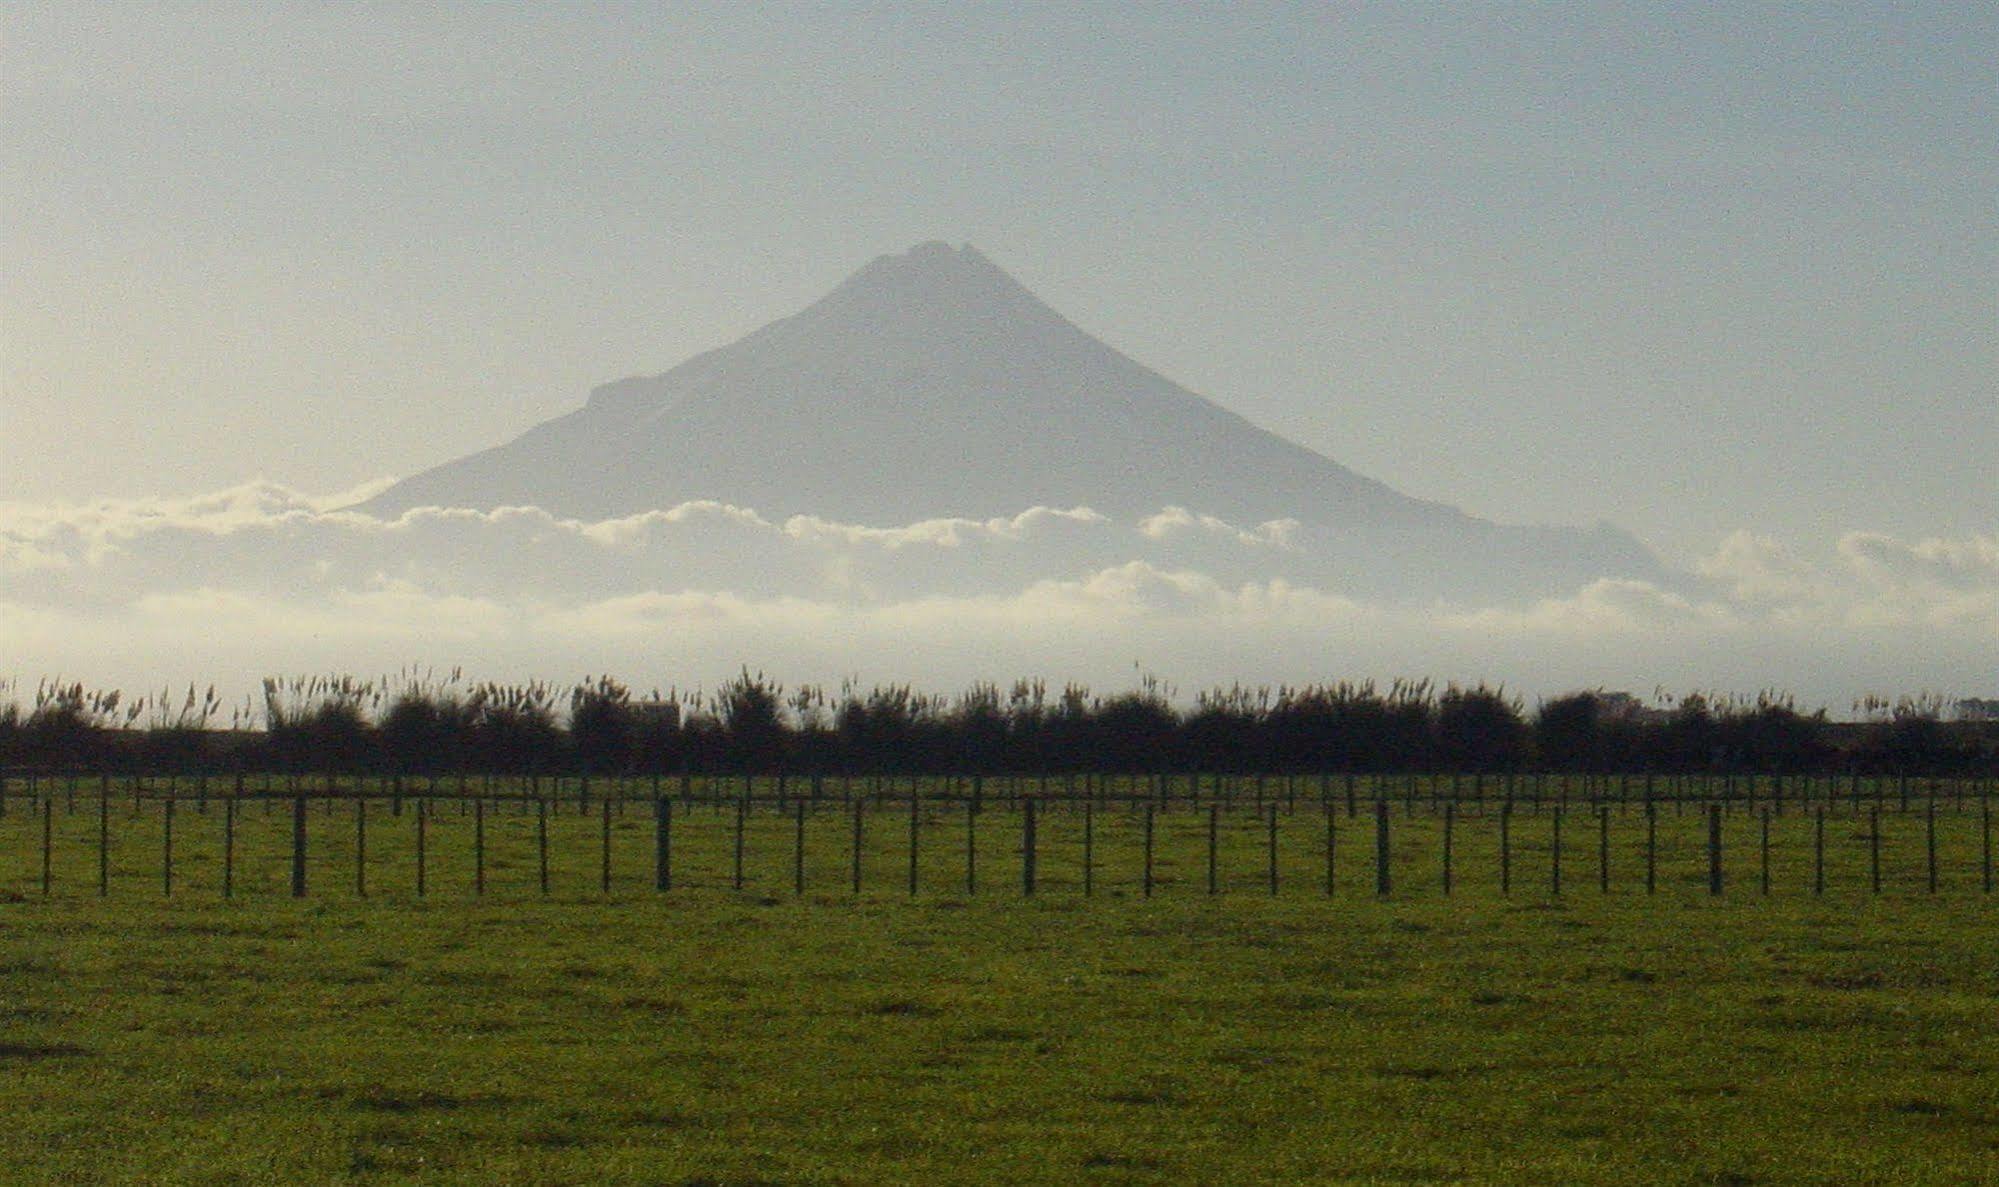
pixel 1757 569
pixel 1035 522
pixel 1608 606
pixel 261 578
pixel 1178 521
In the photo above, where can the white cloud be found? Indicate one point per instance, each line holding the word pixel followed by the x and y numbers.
pixel 260 579
pixel 938 533
pixel 1608 606
pixel 1178 521
pixel 1757 569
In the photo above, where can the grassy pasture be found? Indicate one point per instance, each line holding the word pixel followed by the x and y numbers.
pixel 711 1035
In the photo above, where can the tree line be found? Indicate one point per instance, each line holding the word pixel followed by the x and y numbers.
pixel 417 723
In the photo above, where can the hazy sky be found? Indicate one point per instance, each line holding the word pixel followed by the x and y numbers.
pixel 1685 272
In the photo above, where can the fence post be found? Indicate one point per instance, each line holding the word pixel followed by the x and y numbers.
pixel 1763 851
pixel 1214 829
pixel 1331 842
pixel 1985 840
pixel 603 844
pixel 479 846
pixel 972 844
pixel 48 844
pixel 1714 849
pixel 859 801
pixel 1818 852
pixel 1273 847
pixel 167 846
pixel 103 845
pixel 1382 881
pixel 1148 850
pixel 1089 849
pixel 422 824
pixel 1506 847
pixel 662 812
pixel 361 848
pixel 1450 822
pixel 915 826
pixel 1027 846
pixel 664 846
pixel 798 847
pixel 1651 845
pixel 1874 847
pixel 1603 849
pixel 298 846
pixel 229 847
pixel 1930 839
pixel 1555 845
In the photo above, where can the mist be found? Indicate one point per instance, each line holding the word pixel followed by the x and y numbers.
pixel 263 579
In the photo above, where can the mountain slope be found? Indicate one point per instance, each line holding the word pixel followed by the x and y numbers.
pixel 932 384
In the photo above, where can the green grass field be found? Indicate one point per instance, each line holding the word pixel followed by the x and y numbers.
pixel 710 1035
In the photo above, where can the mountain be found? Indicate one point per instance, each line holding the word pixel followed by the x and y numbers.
pixel 933 384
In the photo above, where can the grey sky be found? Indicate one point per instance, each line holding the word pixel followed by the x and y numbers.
pixel 1685 272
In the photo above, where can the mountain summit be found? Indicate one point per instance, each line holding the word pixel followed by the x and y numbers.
pixel 933 384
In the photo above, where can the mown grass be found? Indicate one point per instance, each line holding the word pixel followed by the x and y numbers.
pixel 716 1036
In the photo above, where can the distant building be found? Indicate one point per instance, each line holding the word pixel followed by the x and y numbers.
pixel 1977 709
pixel 1624 706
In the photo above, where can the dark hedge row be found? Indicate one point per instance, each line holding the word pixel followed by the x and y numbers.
pixel 418 725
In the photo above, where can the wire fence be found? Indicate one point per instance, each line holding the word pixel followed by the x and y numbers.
pixel 403 837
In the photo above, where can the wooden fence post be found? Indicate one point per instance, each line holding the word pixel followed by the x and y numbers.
pixel 103 845
pixel 1089 849
pixel 603 804
pixel 229 846
pixel 1450 822
pixel 1506 847
pixel 1651 845
pixel 298 846
pixel 1273 847
pixel 479 846
pixel 1214 829
pixel 1382 879
pixel 1930 839
pixel 859 802
pixel 1714 849
pixel 1985 840
pixel 1555 845
pixel 167 846
pixel 1818 852
pixel 1763 853
pixel 1603 849
pixel 1874 848
pixel 1027 847
pixel 662 844
pixel 915 826
pixel 972 844
pixel 541 844
pixel 1148 850
pixel 1331 843
pixel 798 846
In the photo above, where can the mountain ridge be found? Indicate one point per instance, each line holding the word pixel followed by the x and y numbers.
pixel 931 383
